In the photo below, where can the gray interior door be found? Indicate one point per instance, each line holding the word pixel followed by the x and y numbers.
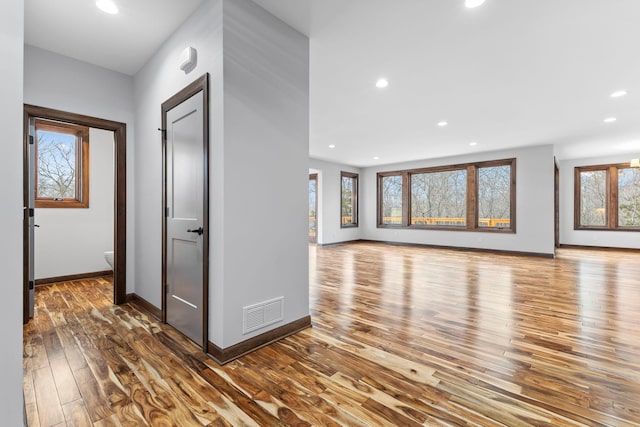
pixel 184 217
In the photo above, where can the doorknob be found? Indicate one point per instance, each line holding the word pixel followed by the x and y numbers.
pixel 198 230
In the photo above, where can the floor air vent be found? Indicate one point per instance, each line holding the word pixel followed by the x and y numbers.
pixel 259 315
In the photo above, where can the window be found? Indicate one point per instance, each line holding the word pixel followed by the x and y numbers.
pixel 349 199
pixel 629 197
pixel 607 197
pixel 472 197
pixel 62 165
pixel 494 196
pixel 439 198
pixel 390 199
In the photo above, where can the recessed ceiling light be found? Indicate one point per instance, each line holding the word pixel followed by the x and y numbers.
pixel 442 123
pixel 376 158
pixel 107 6
pixel 332 146
pixel 473 3
pixel 610 120
pixel 382 83
pixel 473 143
pixel 618 93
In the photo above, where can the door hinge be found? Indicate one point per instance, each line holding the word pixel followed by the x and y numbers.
pixel 166 211
pixel 31 139
pixel 31 284
pixel 31 212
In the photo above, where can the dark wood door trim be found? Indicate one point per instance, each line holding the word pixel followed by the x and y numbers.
pixel 556 203
pixel 201 84
pixel 120 193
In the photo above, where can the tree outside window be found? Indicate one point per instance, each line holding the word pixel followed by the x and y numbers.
pixel 349 199
pixel 62 165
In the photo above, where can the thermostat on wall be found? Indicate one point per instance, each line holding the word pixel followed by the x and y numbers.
pixel 188 59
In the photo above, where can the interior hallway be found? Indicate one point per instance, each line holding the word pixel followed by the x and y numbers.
pixel 401 336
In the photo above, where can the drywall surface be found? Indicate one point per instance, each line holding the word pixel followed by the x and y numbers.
pixel 266 150
pixel 11 214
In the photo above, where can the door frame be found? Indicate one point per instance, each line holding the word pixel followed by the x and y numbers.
pixel 120 194
pixel 200 84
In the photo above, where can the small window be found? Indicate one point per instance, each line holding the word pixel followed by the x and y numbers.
pixel 607 197
pixel 390 193
pixel 349 199
pixel 62 165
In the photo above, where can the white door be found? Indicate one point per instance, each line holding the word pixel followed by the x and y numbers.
pixel 184 217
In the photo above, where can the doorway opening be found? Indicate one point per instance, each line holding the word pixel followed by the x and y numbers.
pixel 31 113
pixel 313 208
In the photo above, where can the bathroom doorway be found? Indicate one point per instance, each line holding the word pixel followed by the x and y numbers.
pixel 103 131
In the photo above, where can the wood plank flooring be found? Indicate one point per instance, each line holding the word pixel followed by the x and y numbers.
pixel 401 336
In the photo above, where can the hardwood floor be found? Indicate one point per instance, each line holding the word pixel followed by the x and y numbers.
pixel 401 336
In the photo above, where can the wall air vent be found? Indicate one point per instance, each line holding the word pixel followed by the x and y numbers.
pixel 263 314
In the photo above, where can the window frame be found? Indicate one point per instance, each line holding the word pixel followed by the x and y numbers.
pixel 471 202
pixel 354 192
pixel 611 202
pixel 82 164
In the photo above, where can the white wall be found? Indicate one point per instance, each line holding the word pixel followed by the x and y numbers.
pixel 329 196
pixel 534 205
pixel 11 80
pixel 63 83
pixel 569 236
pixel 258 153
pixel 266 149
pixel 73 241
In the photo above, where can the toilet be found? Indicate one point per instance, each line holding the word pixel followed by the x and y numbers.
pixel 108 256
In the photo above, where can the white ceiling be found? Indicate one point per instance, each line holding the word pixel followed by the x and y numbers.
pixel 510 73
pixel 122 42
